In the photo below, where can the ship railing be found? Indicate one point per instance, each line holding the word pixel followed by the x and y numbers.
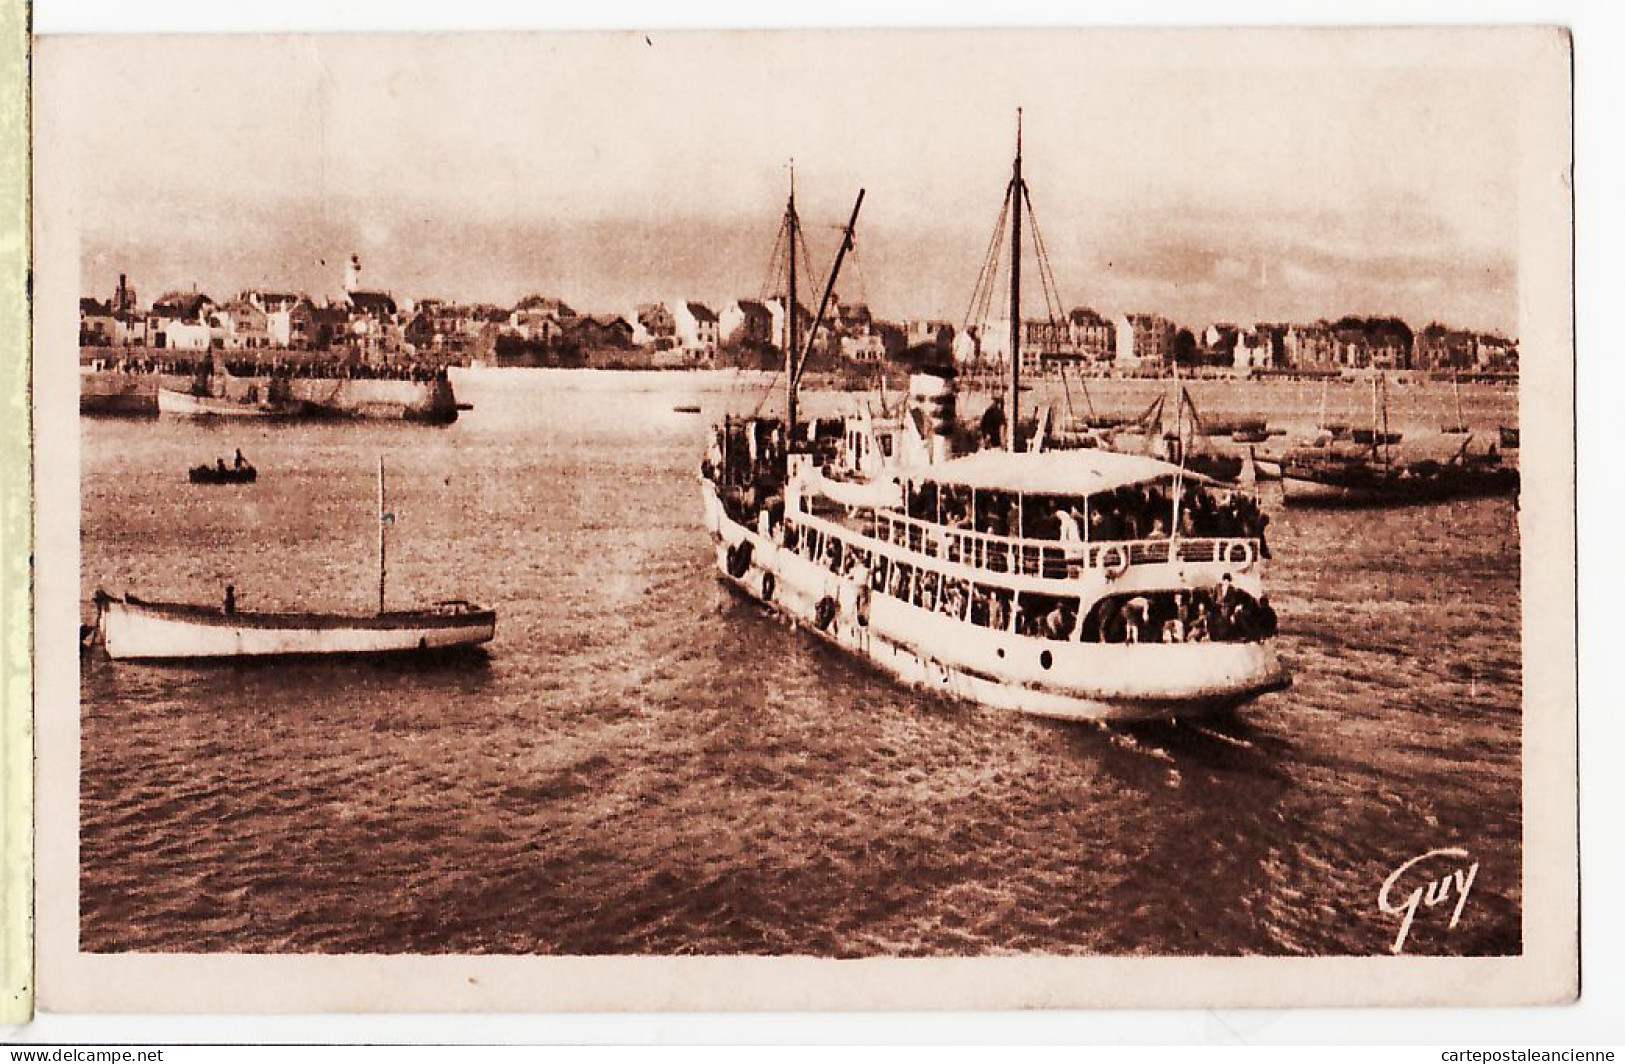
pixel 1053 559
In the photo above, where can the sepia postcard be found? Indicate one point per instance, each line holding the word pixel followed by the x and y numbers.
pixel 784 520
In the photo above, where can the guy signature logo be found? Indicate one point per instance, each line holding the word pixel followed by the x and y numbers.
pixel 1456 883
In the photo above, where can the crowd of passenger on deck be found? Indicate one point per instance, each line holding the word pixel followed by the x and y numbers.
pixel 1224 613
pixel 745 451
pixel 324 369
pixel 746 461
pixel 1133 512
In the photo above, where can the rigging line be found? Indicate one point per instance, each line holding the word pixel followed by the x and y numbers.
pixel 863 281
pixel 981 294
pixel 1046 273
pixel 995 262
pixel 806 255
pixel 1084 384
pixel 1046 267
pixel 1072 415
pixel 768 392
pixel 775 265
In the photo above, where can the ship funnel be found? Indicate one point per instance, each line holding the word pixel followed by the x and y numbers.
pixel 931 407
pixel 931 397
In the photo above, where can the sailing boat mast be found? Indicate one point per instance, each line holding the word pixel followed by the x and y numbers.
pixel 1376 428
pixel 381 541
pixel 1017 189
pixel 1387 442
pixel 792 224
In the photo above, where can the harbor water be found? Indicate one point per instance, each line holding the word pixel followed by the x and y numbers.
pixel 645 763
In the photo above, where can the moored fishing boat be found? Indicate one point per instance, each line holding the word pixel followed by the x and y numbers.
pixel 134 629
pixel 1374 437
pixel 1331 481
pixel 1080 585
pixel 1372 476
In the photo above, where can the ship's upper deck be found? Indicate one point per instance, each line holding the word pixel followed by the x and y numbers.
pixel 1072 473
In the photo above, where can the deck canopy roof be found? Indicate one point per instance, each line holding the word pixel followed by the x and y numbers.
pixel 1082 472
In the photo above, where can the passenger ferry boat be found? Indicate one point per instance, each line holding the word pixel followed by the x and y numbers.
pixel 1082 585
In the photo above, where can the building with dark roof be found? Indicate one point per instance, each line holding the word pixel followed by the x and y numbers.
pixel 746 323
pixel 377 305
pixel 558 308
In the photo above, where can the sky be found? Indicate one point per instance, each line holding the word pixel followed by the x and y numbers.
pixel 1210 176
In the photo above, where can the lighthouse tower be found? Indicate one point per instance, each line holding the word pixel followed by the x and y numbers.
pixel 352 275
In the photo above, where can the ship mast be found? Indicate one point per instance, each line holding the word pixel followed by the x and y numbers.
pixel 829 290
pixel 792 224
pixel 1017 190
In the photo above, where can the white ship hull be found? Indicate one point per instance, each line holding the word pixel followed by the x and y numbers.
pixel 1002 670
pixel 135 630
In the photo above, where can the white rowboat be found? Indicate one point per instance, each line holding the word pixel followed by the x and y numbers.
pixel 136 630
pixel 133 629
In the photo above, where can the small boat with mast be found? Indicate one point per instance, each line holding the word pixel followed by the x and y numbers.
pixel 134 629
pixel 1459 426
pixel 1080 585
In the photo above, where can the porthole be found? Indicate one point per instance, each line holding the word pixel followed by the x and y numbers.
pixel 1046 659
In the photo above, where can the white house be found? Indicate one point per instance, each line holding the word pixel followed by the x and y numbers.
pixel 1254 349
pixel 868 348
pixel 279 327
pixel 699 332
pixel 184 335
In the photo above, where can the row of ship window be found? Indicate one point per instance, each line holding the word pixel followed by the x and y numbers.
pixel 1131 512
pixel 1224 613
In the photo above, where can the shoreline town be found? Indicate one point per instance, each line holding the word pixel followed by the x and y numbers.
pixel 129 349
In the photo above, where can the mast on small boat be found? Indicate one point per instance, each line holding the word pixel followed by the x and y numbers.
pixel 382 545
pixel 1179 441
pixel 1376 428
pixel 1386 441
pixel 1460 424
pixel 1017 190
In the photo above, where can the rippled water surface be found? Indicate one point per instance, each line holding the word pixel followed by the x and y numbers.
pixel 645 764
